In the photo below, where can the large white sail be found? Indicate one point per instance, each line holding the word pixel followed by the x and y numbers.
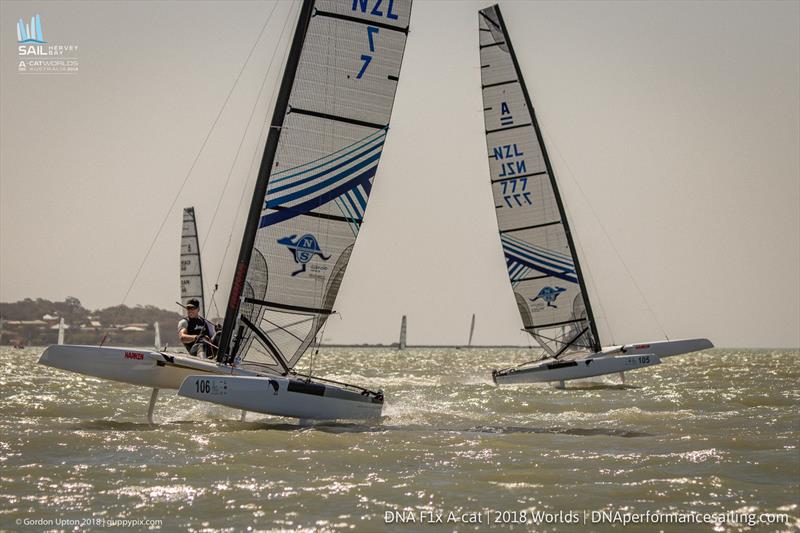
pixel 327 135
pixel 191 266
pixel 540 255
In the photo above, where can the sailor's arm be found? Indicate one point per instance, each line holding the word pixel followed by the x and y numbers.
pixel 186 337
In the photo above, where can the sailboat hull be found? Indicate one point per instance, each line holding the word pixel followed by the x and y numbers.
pixel 610 361
pixel 282 396
pixel 588 367
pixel 128 365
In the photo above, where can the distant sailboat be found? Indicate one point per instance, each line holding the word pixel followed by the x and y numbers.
pixel 61 328
pixel 191 265
pixel 471 330
pixel 540 254
pixel 157 340
pixel 403 325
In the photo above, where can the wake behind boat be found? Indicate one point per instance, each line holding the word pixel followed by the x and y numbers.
pixel 541 257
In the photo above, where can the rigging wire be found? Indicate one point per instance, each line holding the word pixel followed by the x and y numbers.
pixel 244 135
pixel 552 143
pixel 196 158
pixel 254 159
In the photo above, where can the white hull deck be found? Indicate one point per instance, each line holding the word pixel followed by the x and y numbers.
pixel 611 361
pixel 283 396
pixel 158 370
pixel 243 389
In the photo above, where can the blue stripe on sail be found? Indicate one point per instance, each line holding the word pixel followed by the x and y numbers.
pixel 324 172
pixel 321 185
pixel 536 259
pixel 348 215
pixel 532 248
pixel 316 202
pixel 367 185
pixel 529 260
pixel 361 200
pixel 560 274
pixel 536 255
pixel 352 203
pixel 361 143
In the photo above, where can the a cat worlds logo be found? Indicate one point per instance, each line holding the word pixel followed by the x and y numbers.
pixel 549 295
pixel 303 249
pixel 30 33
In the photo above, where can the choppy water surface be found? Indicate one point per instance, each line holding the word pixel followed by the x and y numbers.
pixel 713 432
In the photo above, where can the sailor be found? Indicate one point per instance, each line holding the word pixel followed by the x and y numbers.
pixel 193 329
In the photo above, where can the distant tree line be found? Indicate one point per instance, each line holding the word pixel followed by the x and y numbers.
pixel 85 326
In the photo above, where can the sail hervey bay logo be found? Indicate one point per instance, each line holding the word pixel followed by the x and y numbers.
pixel 303 250
pixel 37 56
pixel 549 295
pixel 30 33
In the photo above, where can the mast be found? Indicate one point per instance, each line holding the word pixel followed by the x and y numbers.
pixel 595 336
pixel 254 215
pixel 199 266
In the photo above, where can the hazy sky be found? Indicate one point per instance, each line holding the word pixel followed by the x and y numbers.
pixel 674 128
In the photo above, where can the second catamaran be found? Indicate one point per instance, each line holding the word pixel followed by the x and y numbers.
pixel 542 261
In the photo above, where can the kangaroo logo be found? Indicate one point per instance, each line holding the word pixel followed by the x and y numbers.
pixel 549 295
pixel 303 250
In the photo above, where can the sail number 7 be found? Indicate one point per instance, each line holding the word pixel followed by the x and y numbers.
pixel 515 193
pixel 366 58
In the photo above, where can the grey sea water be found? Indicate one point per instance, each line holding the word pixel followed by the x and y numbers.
pixel 709 433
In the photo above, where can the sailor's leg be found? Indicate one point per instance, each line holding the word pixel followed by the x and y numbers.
pixel 244 415
pixel 561 385
pixel 622 377
pixel 152 406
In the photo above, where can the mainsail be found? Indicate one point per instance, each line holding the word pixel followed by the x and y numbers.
pixel 191 267
pixel 471 330
pixel 539 251
pixel 403 327
pixel 326 137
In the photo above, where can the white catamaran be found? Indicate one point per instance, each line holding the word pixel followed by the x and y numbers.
pixel 540 254
pixel 325 140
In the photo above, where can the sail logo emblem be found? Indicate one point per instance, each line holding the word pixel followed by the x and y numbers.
pixel 30 33
pixel 303 250
pixel 549 295
pixel 37 56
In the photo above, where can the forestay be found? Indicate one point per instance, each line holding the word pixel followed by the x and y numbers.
pixel 540 255
pixel 330 141
pixel 191 268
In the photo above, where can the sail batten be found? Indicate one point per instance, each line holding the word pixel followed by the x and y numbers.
pixel 541 257
pixel 329 131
